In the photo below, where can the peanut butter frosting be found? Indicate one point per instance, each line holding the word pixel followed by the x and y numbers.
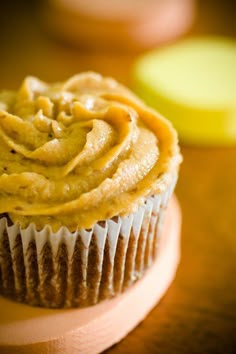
pixel 81 151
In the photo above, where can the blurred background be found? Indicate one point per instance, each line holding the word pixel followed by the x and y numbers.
pixel 57 38
pixel 50 40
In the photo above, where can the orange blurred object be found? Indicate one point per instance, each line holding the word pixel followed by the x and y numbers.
pixel 116 25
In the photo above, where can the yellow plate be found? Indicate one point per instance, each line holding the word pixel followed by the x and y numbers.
pixel 193 83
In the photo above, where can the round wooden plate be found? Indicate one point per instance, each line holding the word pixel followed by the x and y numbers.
pixel 118 25
pixel 26 329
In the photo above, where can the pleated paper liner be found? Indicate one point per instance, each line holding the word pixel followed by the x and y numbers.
pixel 65 269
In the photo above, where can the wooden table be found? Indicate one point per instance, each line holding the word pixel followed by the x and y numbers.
pixel 198 313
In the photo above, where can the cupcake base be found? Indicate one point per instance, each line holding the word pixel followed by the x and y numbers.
pixel 93 329
pixel 81 268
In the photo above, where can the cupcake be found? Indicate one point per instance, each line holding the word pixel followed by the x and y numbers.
pixel 86 172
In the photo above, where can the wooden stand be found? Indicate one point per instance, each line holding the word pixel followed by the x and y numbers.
pixel 32 330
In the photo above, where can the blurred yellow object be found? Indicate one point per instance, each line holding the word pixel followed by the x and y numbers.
pixel 193 83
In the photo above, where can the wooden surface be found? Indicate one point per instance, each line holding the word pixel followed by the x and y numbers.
pixel 92 329
pixel 198 314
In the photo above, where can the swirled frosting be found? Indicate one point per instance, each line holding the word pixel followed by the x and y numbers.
pixel 81 151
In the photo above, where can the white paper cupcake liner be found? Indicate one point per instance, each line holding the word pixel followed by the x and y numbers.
pixel 65 269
